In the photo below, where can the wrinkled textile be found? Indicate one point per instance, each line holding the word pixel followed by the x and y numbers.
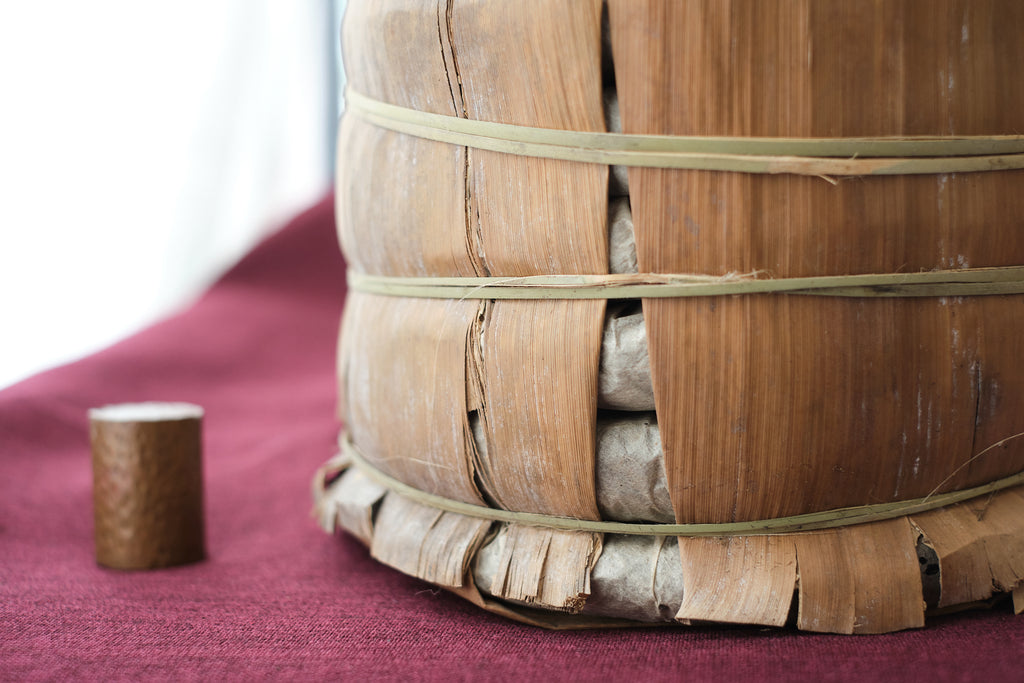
pixel 278 598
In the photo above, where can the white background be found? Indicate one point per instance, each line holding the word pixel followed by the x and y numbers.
pixel 145 146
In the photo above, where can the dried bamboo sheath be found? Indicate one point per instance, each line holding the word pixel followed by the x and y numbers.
pixel 768 405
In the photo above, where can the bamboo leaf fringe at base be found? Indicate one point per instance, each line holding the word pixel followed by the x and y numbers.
pixel 427 543
pixel 544 567
pixel 757 573
pixel 861 579
pixel 980 546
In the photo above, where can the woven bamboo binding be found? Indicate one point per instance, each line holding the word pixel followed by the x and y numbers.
pixel 769 406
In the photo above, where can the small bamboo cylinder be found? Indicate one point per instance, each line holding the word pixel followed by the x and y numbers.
pixel 147 484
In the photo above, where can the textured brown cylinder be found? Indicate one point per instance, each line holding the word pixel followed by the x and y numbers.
pixel 147 484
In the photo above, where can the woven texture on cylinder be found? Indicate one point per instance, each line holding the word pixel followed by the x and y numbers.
pixel 147 490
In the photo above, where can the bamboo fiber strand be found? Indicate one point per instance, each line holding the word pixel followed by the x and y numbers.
pixel 801 156
pixel 827 519
pixel 964 282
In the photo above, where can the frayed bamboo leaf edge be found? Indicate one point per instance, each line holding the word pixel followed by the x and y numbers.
pixel 814 574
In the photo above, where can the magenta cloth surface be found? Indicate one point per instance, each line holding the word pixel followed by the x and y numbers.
pixel 278 598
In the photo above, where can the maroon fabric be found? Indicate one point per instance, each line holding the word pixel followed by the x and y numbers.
pixel 278 598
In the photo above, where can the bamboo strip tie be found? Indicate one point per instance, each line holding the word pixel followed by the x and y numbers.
pixel 965 282
pixel 823 157
pixel 827 519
